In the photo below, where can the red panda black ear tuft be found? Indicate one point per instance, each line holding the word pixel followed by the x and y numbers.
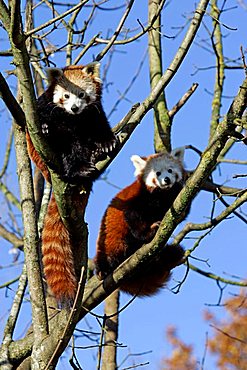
pixel 92 69
pixel 139 164
pixel 178 153
pixel 53 74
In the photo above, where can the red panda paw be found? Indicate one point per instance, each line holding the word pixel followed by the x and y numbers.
pixel 45 128
pixel 155 225
pixel 109 146
pixel 100 275
pixel 112 144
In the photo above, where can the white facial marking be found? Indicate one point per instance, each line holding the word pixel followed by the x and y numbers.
pixel 90 91
pixel 73 99
pixel 161 171
pixel 139 164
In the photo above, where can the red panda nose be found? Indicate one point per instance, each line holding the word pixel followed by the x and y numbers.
pixel 167 180
pixel 74 108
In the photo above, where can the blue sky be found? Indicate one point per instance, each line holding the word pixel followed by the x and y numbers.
pixel 143 323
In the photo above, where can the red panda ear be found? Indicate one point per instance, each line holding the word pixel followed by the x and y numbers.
pixel 92 69
pixel 178 153
pixel 53 74
pixel 139 164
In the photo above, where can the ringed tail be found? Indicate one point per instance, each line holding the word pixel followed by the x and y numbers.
pixel 58 260
pixel 33 154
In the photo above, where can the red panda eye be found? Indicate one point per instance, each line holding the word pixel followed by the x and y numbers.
pixel 170 170
pixel 66 96
pixel 81 95
pixel 158 173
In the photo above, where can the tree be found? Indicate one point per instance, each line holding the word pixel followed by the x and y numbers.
pixel 228 341
pixel 182 355
pixel 40 43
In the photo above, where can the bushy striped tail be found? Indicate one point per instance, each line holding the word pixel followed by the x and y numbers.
pixel 33 154
pixel 58 258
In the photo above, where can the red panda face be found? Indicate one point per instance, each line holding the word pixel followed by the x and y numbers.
pixel 162 174
pixel 75 87
pixel 72 99
pixel 159 170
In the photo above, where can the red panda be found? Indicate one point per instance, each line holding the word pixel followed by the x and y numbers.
pixel 58 260
pixel 73 121
pixel 133 217
pixel 58 257
pixel 74 124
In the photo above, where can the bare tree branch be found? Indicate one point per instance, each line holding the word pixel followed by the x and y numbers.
pixel 12 238
pixel 212 223
pixel 137 36
pixel 9 195
pixel 216 39
pixel 54 20
pixel 162 121
pixel 147 104
pixel 213 276
pixel 110 332
pixel 7 153
pixel 11 103
pixel 182 101
pixel 11 322
pixel 31 240
pixel 116 33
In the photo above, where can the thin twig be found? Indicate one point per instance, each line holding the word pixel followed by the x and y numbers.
pixel 137 36
pixel 11 102
pixel 12 318
pixel 10 237
pixel 217 277
pixel 7 153
pixel 229 335
pixel 10 196
pixel 212 223
pixel 73 313
pixel 109 357
pixel 85 49
pixel 116 33
pixel 54 20
pixel 162 121
pixel 183 100
pixel 70 36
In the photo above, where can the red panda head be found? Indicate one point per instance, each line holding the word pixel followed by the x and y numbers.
pixel 160 171
pixel 75 87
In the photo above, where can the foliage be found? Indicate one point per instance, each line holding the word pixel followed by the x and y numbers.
pixel 229 342
pixel 182 354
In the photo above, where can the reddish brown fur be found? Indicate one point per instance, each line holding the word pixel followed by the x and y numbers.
pixel 33 154
pixel 116 241
pixel 114 226
pixel 147 283
pixel 57 255
pixel 58 258
pixel 76 74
